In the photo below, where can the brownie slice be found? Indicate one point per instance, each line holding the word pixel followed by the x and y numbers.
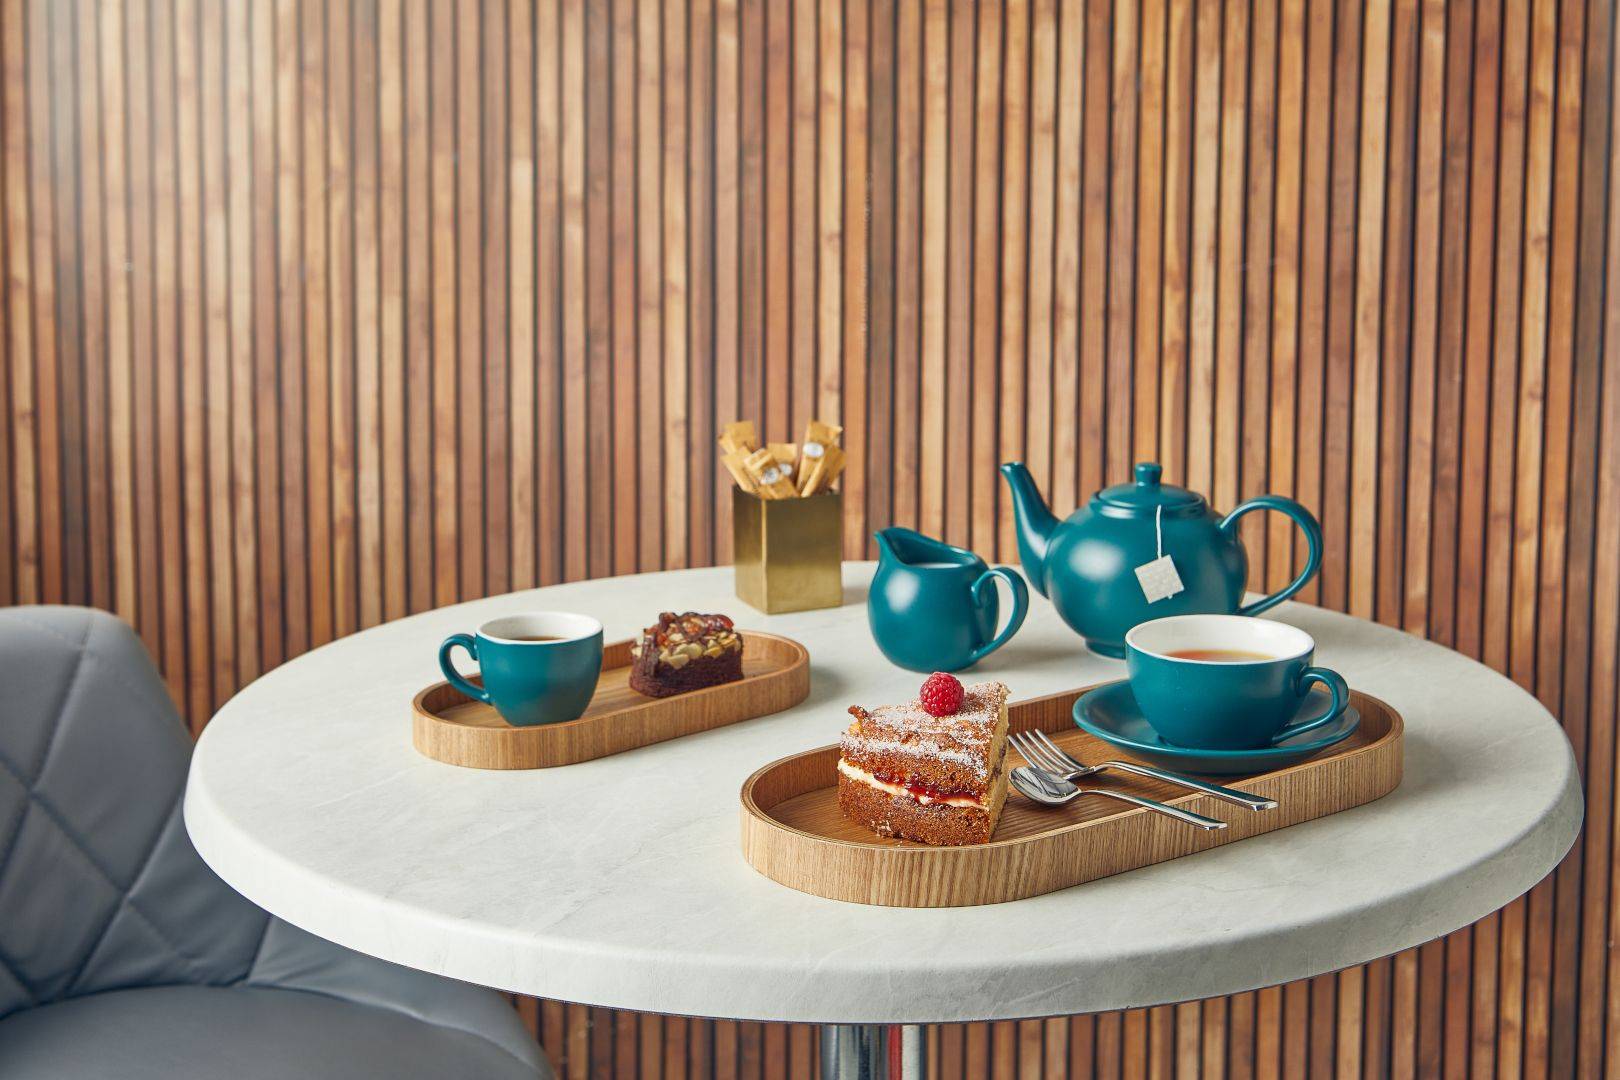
pixel 685 652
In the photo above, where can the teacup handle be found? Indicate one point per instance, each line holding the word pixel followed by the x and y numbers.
pixel 456 678
pixel 1020 599
pixel 1336 686
pixel 1313 544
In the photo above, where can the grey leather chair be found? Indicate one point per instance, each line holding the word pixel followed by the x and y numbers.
pixel 123 956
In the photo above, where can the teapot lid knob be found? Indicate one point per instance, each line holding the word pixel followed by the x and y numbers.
pixel 1147 474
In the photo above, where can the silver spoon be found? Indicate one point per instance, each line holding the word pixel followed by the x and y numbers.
pixel 1048 789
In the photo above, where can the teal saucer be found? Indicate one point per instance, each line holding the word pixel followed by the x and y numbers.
pixel 1110 712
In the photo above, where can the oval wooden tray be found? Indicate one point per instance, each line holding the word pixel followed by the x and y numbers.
pixel 792 831
pixel 449 727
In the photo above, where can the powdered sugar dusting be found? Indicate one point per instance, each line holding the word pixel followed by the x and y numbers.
pixel 910 730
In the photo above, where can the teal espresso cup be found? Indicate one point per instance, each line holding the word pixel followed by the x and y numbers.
pixel 1229 682
pixel 536 668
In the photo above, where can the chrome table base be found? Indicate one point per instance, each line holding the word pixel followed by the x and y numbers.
pixel 872 1052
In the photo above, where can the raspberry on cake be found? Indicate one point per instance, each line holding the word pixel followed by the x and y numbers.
pixel 685 652
pixel 942 780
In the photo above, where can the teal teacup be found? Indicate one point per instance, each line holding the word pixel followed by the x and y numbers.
pixel 1227 682
pixel 537 668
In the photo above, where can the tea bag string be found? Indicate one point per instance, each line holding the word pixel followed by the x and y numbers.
pixel 1158 529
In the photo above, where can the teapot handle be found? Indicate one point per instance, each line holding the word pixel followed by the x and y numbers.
pixel 1313 543
pixel 1020 599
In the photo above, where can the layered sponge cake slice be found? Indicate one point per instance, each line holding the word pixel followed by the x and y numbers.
pixel 904 771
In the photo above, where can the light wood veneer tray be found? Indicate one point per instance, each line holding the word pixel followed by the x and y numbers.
pixel 449 727
pixel 793 832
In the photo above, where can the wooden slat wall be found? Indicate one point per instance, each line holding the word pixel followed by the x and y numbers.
pixel 320 313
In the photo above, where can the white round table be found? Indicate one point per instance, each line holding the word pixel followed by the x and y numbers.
pixel 619 882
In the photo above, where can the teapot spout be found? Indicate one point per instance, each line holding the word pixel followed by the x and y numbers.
pixel 1035 523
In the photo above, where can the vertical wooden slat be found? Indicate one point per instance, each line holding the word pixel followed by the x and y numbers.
pixel 417 330
pixel 337 456
pixel 358 593
pixel 701 501
pixel 881 469
pixel 548 444
pixel 675 276
pixel 935 213
pixel 625 433
pixel 575 465
pixel 650 259
pixel 180 666
pixel 392 333
pixel 1071 64
pixel 596 502
pixel 726 314
pixel 1237 192
pixel 909 233
pixel 312 43
pixel 494 88
pixel 22 554
pixel 982 384
pixel 1203 262
pixel 262 329
pixel 239 196
pixel 136 42
pixel 42 559
pixel 1284 308
pixel 1094 187
pixel 1012 393
pixel 289 327
pixel 828 127
pixel 1255 434
pixel 1177 272
pixel 1039 378
pixel 849 395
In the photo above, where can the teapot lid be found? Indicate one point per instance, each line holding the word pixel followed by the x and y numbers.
pixel 1148 494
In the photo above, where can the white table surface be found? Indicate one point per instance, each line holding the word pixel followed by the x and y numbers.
pixel 620 882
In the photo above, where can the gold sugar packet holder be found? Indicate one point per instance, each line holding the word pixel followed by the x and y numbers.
pixel 782 470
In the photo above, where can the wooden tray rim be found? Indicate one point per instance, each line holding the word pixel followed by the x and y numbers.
pixel 1396 731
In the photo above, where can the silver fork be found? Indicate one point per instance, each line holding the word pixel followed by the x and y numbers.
pixel 1049 790
pixel 1047 755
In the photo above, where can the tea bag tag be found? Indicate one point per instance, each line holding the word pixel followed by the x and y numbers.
pixel 1159 579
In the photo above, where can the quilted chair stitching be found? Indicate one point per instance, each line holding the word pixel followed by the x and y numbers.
pixel 77 844
pixel 50 743
pixel 69 686
pixel 124 898
pixel 258 951
pixel 161 705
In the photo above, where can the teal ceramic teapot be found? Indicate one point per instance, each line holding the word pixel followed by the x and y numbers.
pixel 933 606
pixel 1087 564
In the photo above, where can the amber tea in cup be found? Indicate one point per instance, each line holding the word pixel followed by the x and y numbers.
pixel 1220 656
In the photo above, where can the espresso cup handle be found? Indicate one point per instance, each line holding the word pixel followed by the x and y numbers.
pixel 1020 599
pixel 456 678
pixel 1336 687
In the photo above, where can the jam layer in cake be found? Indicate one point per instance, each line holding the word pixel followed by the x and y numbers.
pixel 935 779
pixel 685 652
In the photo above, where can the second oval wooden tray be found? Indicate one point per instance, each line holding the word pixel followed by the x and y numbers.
pixel 447 726
pixel 792 831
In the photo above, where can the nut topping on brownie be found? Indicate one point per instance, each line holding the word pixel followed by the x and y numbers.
pixel 685 652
